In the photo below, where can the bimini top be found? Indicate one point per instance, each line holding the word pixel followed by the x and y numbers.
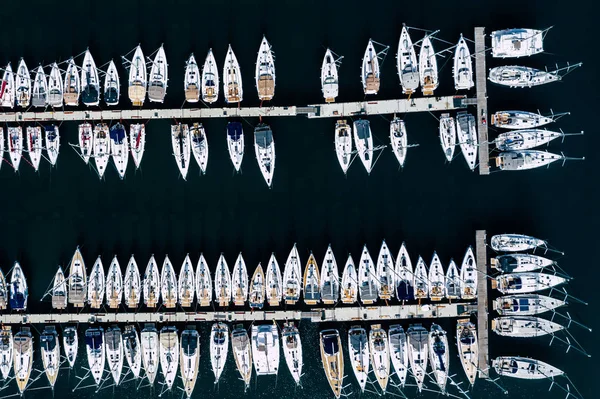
pixel 93 339
pixel 514 43
pixel 234 130
pixel 117 133
pixel 330 343
pixel 363 130
pixel 263 135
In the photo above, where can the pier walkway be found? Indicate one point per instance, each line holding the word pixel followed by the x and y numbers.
pixel 482 302
pixel 482 111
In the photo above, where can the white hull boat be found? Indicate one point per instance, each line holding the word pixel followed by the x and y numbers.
pixel 112 85
pixel 515 243
pixel 398 352
pixel 19 293
pixel 190 359
pixel 405 289
pixel 329 77
pixel 524 326
pixel 151 286
pixel 210 79
pixel 52 141
pixel 385 273
pixel 235 144
pixel 417 353
pixel 157 79
pixel 138 78
pixel 191 82
pixel 520 120
pixel 437 279
pixel 168 286
pixel 292 276
pixel 343 144
pixel 242 354
pixel 169 354
pixel 86 141
pixel 274 282
pixel 526 139
pixel 137 139
pixel 349 288
pixel 330 279
pixel 370 73
pixel 6 351
pixel 39 96
pixel 264 148
pixel 219 347
pixel 256 299
pixel 70 345
pixel 453 282
pixel 525 283
pixel 421 281
pixel 468 276
pixel 265 349
pixel 90 83
pixel 232 79
pixel 406 63
pixel 292 350
pixel 199 144
pixel 428 69
pixel 518 263
pixel 265 72
pixel 239 281
pixel 96 356
pixel 380 355
pixel 468 349
pixel 439 355
pixel 55 87
pixel 204 286
pixel 133 284
pixel 368 285
pixel 77 280
pixel 59 290
pixel 525 304
pixel 72 85
pixel 35 144
pixel 50 348
pixel 132 350
pixel 521 76
pixel 23 357
pixel 15 146
pixel 463 66
pixel 114 285
pixel 524 368
pixel 399 139
pixel 448 136
pixel 119 148
pixel 180 140
pixel 23 85
pixel 7 99
pixel 149 342
pixel 114 352
pixel 363 140
pixel 467 137
pixel 101 148
pixel 222 282
pixel 515 43
pixel 526 159
pixel 360 356
pixel 186 285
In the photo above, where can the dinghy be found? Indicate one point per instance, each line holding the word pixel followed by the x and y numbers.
pixel 428 69
pixel 398 352
pixel 199 144
pixel 86 141
pixel 59 290
pixel 204 287
pixel 186 286
pixel 406 63
pixel 101 148
pixel 6 351
pixel 311 281
pixel 439 355
pixel 150 351
pixel 518 263
pixel 332 358
pixel 190 359
pixel 191 81
pixel 50 348
pixel 132 350
pixel 466 340
pixel 524 368
pixel 453 282
pixel 15 146
pixel 133 284
pixel 468 276
pixel 525 283
pixel 222 282
pixel 119 148
pixel 292 276
pixel 515 43
pixel 343 144
pixel 240 346
pixel 210 79
pixel 112 85
pixel 55 87
pixel 524 326
pixel 23 356
pixel 421 281
pixel 417 353
pixel 138 78
pixel 292 350
pixel 180 140
pixel 239 281
pixel 219 346
pixel 329 77
pixel 467 137
pixel 370 73
pixel 398 139
pixel 168 287
pixel 330 279
pixel 19 293
pixel 437 279
pixel 364 143
pixel 349 282
pixel 90 83
pixel 114 352
pixel 70 344
pixel 157 79
pixel 265 349
pixel 96 356
pixel 447 136
pixel 257 289
pixel 232 79
pixel 380 354
pixel 385 273
pixel 515 243
pixel 405 289
pixel 137 138
pixel 169 354
pixel 274 283
pixel 7 99
pixel 151 286
pixel 52 143
pixel 35 145
pixel 521 119
pixel 23 85
pixel 265 71
pixel 114 285
pixel 235 144
pixel 39 96
pixel 72 84
pixel 359 351
pixel 368 285
pixel 463 66
pixel 264 148
pixel 525 304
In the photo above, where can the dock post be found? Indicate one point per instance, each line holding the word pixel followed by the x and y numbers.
pixel 482 111
pixel 482 302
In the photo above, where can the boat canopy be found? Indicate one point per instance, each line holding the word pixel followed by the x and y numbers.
pixel 330 344
pixel 117 133
pixel 93 339
pixel 234 130
pixel 363 129
pixel 263 136
pixel 189 342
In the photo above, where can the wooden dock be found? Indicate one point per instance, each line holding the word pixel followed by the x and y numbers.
pixel 482 111
pixel 482 302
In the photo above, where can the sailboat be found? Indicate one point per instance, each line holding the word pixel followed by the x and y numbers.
pixel 398 352
pixel 447 136
pixel 526 159
pixel 133 284
pixel 524 326
pixel 385 273
pixel 232 79
pixel 90 83
pixel 55 87
pixel 466 340
pixel 437 279
pixel 439 355
pixel 50 348
pixel 222 282
pixel 292 350
pixel 360 355
pixel 516 263
pixel 453 282
pixel 114 352
pixel 343 144
pixel 7 99
pixel 6 351
pixel 329 77
pixel 132 350
pixel 190 359
pixel 265 71
pixel 112 85
pixel 23 85
pixel 169 354
pixel 39 96
pixel 292 276
pixel 403 269
pixel 519 42
pixel 19 293
pixel 273 282
pixel 150 351
pixel 86 141
pixel 265 349
pixel 526 139
pixel 311 281
pixel 168 287
pixel 417 353
pixel 525 304
pixel 204 287
pixel 210 79
pixel 138 78
pixel 467 137
pixel 151 284
pixel 240 346
pixel 380 355
pixel 199 144
pixel 114 284
pixel 239 281
pixel 3 291
pixel 15 146
pixel 463 66
pixel 521 76
pixel 235 144
pixel 428 69
pixel 180 140
pixel 186 286
pixel 52 143
pixel 330 279
pixel 157 79
pixel 257 289
pixel 368 284
pixel 101 148
pixel 399 139
pixel 349 282
pixel 468 276
pixel 515 243
pixel 406 63
pixel 137 138
pixel 526 282
pixel 219 346
pixel 96 356
pixel 23 357
pixel 72 84
pixel 59 290
pixel 421 281
pixel 35 145
pixel 70 344
pixel 332 358
pixel 264 148
pixel 119 148
pixel 521 119
pixel 191 83
pixel 370 72
pixel 524 368
pixel 363 139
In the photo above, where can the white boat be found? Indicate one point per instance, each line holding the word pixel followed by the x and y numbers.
pixel 114 352
pixel 405 289
pixel 525 283
pixel 219 347
pixel 453 282
pixel 239 281
pixel 273 282
pixel 39 95
pixel 448 135
pixel 168 286
pixel 119 148
pixel 399 139
pixel 468 276
pixel 515 243
pixel 199 144
pixel 96 356
pixel 150 351
pixel 439 355
pixel 330 279
pixel 23 357
pixel 55 87
pixel 526 159
pixel 517 263
pixel 52 141
pixel 292 278
pixel 186 285
pixel 72 87
pixel 370 72
pixel 114 284
pixel 428 69
pixel 35 144
pixel 265 71
pixel 421 280
pixel 112 85
pixel 137 139
pixel 138 78
pixel 133 284
pixel 463 66
pixel 437 279
pixel 380 355
pixel 86 141
pixel 210 79
pixel 190 359
pixel 151 284
pixel 59 290
pixel 191 80
pixel 70 344
pixel 19 293
pixel 6 351
pixel 514 43
pixel 180 140
pixel 169 354
pixel 232 79
pixel 292 350
pixel 90 83
pixel 359 352
pixel 406 63
pixel 385 273
pixel 329 77
pixel 158 77
pixel 417 352
pixel 50 348
pixel 311 281
pixel 349 286
pixel 468 349
pixel 3 291
pixel 363 140
pixel 235 144
pixel 264 148
pixel 524 326
pixel 23 85
pixel 101 148
pixel 222 282
pixel 242 353
pixel 332 358
pixel 467 137
pixel 521 119
pixel 256 298
pixel 525 304
pixel 132 350
pixel 521 76
pixel 527 139
pixel 524 368
pixel 368 284
pixel 343 144
pixel 204 287
pixel 15 146
pixel 7 88
pixel 265 349
pixel 398 352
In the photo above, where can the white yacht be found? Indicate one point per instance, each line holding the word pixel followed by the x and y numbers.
pixel 101 148
pixel 86 141
pixel 521 76
pixel 52 140
pixel 149 342
pixel 363 140
pixel 180 141
pixel 114 285
pixel 453 282
pixel 55 87
pixel 521 119
pixel 292 278
pixel 447 136
pixel 133 284
pixel 138 78
pixel 439 355
pixel 19 292
pixel 273 282
pixel 151 286
pixel 39 95
pixel 119 148
pixel 463 66
pixel 385 273
pixel 222 282
pixel 468 276
pixel 526 159
pixel 158 77
pixel 6 351
pixel 515 243
pixel 169 354
pixel 232 79
pixel 524 368
pixel 23 85
pixel 199 144
pixel 70 344
pixel 358 350
pixel 368 284
pixel 168 286
pixel 525 304
pixel 235 144
pixel 265 71
pixel 15 146
pixel 515 43
pixel 264 148
pixel 219 347
pixel 210 79
pixel 292 350
pixel 349 285
pixel 265 349
pixel 72 84
pixel 398 352
pixel 421 280
pixel 468 349
pixel 23 357
pixel 96 356
pixel 399 139
pixel 417 352
pixel 405 289
pixel 132 350
pixel 525 283
pixel 256 298
pixel 329 77
pixel 380 355
pixel 524 326
pixel 406 63
pixel 35 144
pixel 112 85
pixel 190 359
pixel 90 83
pixel 204 286
pixel 527 139
pixel 332 359
pixel 186 285
pixel 517 263
pixel 467 137
pixel 7 97
pixel 59 290
pixel 343 144
pixel 437 279
pixel 311 281
pixel 370 73
pixel 114 352
pixel 50 348
pixel 330 279
pixel 242 353
pixel 191 80
pixel 137 140
pixel 239 282
pixel 428 69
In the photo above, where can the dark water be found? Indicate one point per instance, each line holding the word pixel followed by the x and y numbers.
pixel 429 204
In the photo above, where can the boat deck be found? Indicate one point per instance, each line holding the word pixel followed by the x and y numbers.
pixel 482 111
pixel 482 303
